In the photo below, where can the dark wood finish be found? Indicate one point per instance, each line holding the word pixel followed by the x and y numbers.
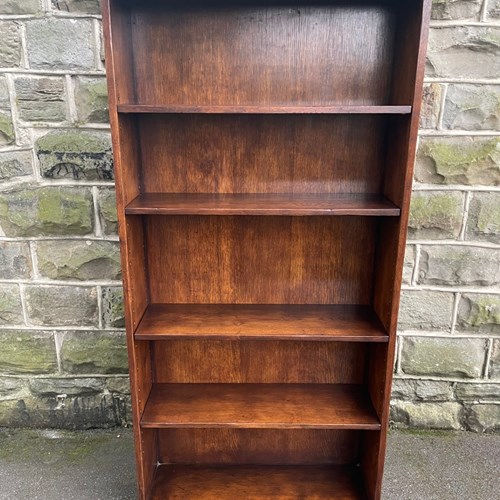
pixel 276 110
pixel 278 482
pixel 260 321
pixel 222 112
pixel 259 446
pixel 259 361
pixel 260 204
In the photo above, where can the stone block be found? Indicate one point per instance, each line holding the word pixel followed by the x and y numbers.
pixel 11 310
pixel 10 44
pixel 91 97
pixel 493 9
pixel 70 387
pixel 464 51
pixel 4 93
pixel 79 260
pixel 484 217
pixel 79 155
pixel 479 313
pixel 77 6
pixel 19 7
pixel 494 368
pixel 47 211
pixel 427 415
pixel 29 352
pixel 107 211
pixel 431 105
pixel 477 392
pixel 443 357
pixel 425 310
pixel 15 260
pixel 408 264
pixel 10 386
pixel 435 215
pixel 94 352
pixel 459 160
pixel 57 43
pixel 40 99
pixel 7 135
pixel 112 307
pixel 118 385
pixel 62 305
pixel 449 10
pixel 454 265
pixel 15 164
pixel 472 107
pixel 421 390
pixel 484 418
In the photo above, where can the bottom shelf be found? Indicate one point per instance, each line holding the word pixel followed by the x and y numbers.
pixel 257 482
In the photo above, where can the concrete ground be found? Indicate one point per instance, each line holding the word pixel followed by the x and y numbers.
pixel 99 465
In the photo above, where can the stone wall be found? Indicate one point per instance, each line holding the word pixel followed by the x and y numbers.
pixel 62 347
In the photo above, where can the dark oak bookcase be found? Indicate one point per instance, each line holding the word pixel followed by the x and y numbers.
pixel 263 155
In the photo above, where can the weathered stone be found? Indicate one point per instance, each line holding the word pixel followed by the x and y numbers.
pixel 15 261
pixel 477 392
pixel 484 217
pixel 494 368
pixel 91 97
pixel 79 260
pixel 425 310
pixel 478 312
pixel 443 357
pixel 7 135
pixel 484 418
pixel 77 6
pixel 46 211
pixel 493 9
pixel 10 44
pixel 56 43
pixel 40 99
pixel 445 10
pixel 4 94
pixel 431 105
pixel 459 160
pixel 426 415
pixel 94 352
pixel 421 390
pixel 112 307
pixel 62 305
pixel 435 215
pixel 465 51
pixel 79 155
pixel 472 107
pixel 19 6
pixel 11 311
pixel 454 265
pixel 11 385
pixel 15 164
pixel 118 385
pixel 46 387
pixel 408 265
pixel 107 211
pixel 27 352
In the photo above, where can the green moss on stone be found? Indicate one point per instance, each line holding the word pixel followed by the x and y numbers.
pixel 72 142
pixel 480 312
pixel 6 129
pixel 441 212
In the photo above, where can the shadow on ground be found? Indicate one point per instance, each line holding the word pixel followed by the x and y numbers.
pixel 99 465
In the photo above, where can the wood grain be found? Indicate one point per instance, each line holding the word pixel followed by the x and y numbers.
pixel 261 204
pixel 260 321
pixel 257 482
pixel 260 406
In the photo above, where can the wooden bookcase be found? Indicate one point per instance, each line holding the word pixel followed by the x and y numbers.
pixel 263 155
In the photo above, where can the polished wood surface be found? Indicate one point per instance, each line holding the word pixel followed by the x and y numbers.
pixel 277 482
pixel 260 406
pixel 331 110
pixel 260 204
pixel 259 361
pixel 260 321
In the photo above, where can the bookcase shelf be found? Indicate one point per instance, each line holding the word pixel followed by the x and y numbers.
pixel 263 155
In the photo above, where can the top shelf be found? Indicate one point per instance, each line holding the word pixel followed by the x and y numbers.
pixel 277 110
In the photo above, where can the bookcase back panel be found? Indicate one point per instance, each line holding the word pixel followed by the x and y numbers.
pixel 262 154
pixel 258 446
pixel 254 361
pixel 255 260
pixel 261 53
